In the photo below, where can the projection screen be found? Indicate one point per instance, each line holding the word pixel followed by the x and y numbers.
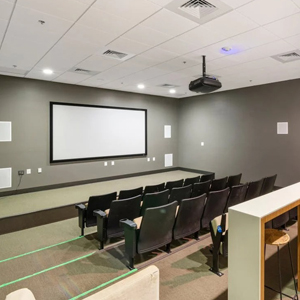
pixel 85 132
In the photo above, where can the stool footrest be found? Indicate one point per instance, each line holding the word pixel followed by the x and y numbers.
pixel 295 297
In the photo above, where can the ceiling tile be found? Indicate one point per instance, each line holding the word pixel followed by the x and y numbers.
pixel 161 2
pixel 100 20
pixel 126 45
pixel 143 61
pixel 178 63
pixel 86 34
pixel 146 35
pixel 37 73
pixel 267 11
pixel 98 63
pixel 6 8
pixel 169 23
pixel 230 24
pixel 70 77
pixel 254 38
pixel 286 27
pixel 3 26
pixel 236 3
pixel 135 10
pixel 178 46
pixel 66 54
pixel 294 40
pixel 159 55
pixel 67 9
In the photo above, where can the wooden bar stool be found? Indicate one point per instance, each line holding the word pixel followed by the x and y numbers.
pixel 278 238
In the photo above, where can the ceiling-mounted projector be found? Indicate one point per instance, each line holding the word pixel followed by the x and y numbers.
pixel 204 84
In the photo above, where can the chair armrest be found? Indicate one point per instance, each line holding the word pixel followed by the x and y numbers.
pixel 130 232
pixel 125 223
pixel 99 213
pixel 80 206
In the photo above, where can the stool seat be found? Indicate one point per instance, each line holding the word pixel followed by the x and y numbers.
pixel 276 237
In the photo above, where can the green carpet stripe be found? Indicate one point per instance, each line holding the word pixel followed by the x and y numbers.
pixel 103 284
pixel 34 251
pixel 46 270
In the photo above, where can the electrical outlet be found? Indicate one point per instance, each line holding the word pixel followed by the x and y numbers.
pixel 39 170
pixel 112 163
pixel 105 164
pixel 148 159
pixel 153 158
pixel 21 172
pixel 28 171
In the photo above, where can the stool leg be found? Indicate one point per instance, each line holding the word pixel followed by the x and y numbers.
pixel 293 270
pixel 279 272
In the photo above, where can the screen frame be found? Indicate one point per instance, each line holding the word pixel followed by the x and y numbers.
pixel 52 160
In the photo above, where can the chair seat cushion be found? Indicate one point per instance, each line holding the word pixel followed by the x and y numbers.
pixel 21 294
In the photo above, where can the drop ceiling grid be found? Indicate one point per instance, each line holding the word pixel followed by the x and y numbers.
pixel 160 37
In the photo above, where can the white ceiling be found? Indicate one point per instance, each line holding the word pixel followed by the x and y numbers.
pixel 166 47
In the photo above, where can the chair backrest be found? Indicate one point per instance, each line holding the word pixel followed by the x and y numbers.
pixel 206 177
pixel 234 180
pixel 191 180
pixel 201 188
pixel 102 202
pixel 237 195
pixel 254 188
pixel 215 205
pixel 218 184
pixel 177 194
pixel 125 194
pixel 154 200
pixel 268 184
pixel 122 209
pixel 188 217
pixel 156 227
pixel 154 188
pixel 172 184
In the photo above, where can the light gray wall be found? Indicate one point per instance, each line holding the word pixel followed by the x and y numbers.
pixel 25 103
pixel 238 128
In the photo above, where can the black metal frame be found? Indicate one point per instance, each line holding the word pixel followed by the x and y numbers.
pixel 99 157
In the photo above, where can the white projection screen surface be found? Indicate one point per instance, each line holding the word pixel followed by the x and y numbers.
pixel 82 132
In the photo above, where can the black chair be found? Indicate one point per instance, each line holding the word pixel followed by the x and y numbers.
pixel 268 184
pixel 154 200
pixel 236 196
pixel 201 188
pixel 173 184
pixel 126 194
pixel 154 188
pixel 234 180
pixel 85 213
pixel 207 177
pixel 177 194
pixel 215 205
pixel 108 221
pixel 154 232
pixel 218 184
pixel 219 235
pixel 191 180
pixel 188 215
pixel 254 189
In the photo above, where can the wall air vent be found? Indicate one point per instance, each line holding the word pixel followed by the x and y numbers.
pixel 200 11
pixel 287 56
pixel 116 54
pixel 83 71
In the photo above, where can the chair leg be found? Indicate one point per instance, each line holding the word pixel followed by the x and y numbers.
pixel 101 245
pixel 82 231
pixel 292 268
pixel 279 272
pixel 131 263
pixel 168 248
pixel 196 235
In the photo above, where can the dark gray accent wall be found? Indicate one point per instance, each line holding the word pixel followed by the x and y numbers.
pixel 239 129
pixel 25 103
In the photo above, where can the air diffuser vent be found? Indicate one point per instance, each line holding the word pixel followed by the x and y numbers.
pixel 200 11
pixel 288 56
pixel 168 86
pixel 116 54
pixel 83 71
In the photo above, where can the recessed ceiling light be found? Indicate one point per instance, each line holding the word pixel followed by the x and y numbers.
pixel 47 71
pixel 141 86
pixel 172 91
pixel 226 49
